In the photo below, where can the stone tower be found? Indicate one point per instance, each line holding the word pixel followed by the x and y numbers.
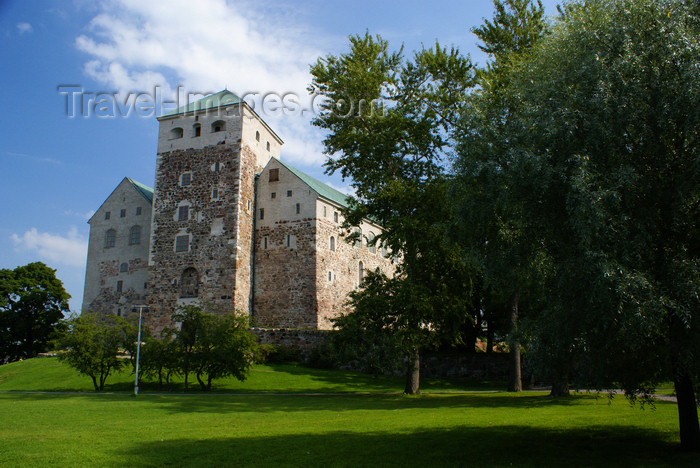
pixel 202 231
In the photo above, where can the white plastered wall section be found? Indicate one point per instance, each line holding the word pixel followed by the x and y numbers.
pixel 102 261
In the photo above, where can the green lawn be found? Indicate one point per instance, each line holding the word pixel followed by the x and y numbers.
pixel 48 374
pixel 467 429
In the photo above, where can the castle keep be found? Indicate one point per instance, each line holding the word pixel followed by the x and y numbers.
pixel 227 223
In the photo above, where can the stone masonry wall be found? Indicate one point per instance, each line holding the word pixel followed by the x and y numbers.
pixel 103 270
pixel 285 293
pixel 338 271
pixel 212 227
pixel 304 340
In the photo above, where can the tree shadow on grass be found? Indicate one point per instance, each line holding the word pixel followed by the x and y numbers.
pixel 461 446
pixel 225 404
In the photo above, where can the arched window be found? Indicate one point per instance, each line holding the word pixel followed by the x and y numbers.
pixel 196 130
pixel 135 235
pixel 332 243
pixel 384 250
pixel 189 283
pixel 358 239
pixel 123 268
pixel 268 146
pixel 257 136
pixel 176 133
pixel 218 126
pixel 370 246
pixel 361 272
pixel 110 238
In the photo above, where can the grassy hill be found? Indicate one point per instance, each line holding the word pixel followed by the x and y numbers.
pixel 48 374
pixel 449 429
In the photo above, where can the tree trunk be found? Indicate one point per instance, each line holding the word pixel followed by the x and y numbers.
pixel 514 379
pixel 683 384
pixel 413 374
pixel 560 388
pixel 489 336
pixel 687 412
pixel 202 385
pixel 94 382
pixel 187 377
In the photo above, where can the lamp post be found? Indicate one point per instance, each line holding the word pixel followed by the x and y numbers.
pixel 138 352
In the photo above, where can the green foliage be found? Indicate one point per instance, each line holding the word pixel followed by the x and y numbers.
pixel 390 124
pixel 159 358
pixel 592 145
pixel 90 345
pixel 213 346
pixel 32 304
pixel 517 25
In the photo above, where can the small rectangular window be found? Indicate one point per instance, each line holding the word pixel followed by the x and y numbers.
pixel 330 276
pixel 120 285
pixel 262 213
pixel 182 243
pixel 298 208
pixel 289 240
pixel 108 215
pixel 264 242
pixel 186 179
pixel 215 193
pixel 138 211
pixel 335 216
pixel 122 214
pixel 183 213
pixel 145 285
pixel 324 211
pixel 216 166
pixel 248 205
pixel 289 193
pixel 274 175
pixel 273 195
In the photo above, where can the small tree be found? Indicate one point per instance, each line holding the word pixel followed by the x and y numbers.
pixel 225 348
pixel 213 346
pixel 159 357
pixel 91 344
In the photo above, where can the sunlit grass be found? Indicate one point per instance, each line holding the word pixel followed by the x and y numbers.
pixel 465 429
pixel 48 374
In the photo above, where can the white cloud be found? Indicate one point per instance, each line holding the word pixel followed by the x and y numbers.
pixel 70 249
pixel 86 216
pixel 24 28
pixel 204 45
pixel 346 189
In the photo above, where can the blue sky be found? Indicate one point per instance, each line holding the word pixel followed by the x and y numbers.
pixel 58 169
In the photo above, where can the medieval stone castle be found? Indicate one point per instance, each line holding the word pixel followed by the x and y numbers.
pixel 228 224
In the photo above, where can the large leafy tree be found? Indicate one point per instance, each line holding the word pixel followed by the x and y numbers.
pixel 603 155
pixel 493 223
pixel 32 304
pixel 390 124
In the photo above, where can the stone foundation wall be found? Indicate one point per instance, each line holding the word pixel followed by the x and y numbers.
pixel 304 340
pixel 480 366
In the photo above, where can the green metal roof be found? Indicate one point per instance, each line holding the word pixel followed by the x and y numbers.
pixel 319 187
pixel 145 191
pixel 213 101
